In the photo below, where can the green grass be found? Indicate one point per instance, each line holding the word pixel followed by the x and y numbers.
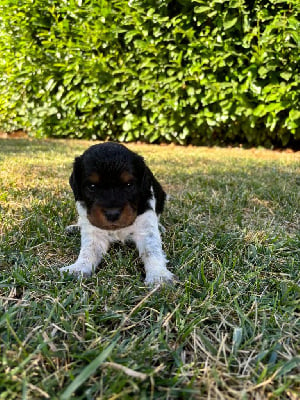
pixel 230 329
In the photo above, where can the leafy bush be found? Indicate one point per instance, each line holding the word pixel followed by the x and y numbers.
pixel 157 70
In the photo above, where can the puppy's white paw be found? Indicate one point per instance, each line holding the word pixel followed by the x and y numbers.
pixel 77 270
pixel 159 277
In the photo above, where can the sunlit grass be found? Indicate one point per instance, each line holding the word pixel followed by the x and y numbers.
pixel 228 330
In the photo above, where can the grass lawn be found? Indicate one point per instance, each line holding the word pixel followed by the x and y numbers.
pixel 230 329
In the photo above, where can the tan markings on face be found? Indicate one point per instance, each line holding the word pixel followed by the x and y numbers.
pixel 94 178
pixel 126 177
pixel 97 218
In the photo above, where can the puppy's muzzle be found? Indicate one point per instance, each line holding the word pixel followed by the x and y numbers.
pixel 112 214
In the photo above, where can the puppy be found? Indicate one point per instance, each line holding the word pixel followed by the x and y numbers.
pixel 117 199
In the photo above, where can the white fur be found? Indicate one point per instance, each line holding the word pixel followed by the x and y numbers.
pixel 143 232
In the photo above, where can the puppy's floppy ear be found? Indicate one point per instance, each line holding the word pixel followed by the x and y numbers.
pixel 160 196
pixel 149 182
pixel 76 177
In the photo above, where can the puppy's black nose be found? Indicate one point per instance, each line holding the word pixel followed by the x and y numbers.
pixel 112 214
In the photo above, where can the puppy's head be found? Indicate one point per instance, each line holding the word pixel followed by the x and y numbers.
pixel 113 183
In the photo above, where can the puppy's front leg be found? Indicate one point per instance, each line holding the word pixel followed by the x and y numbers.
pixel 148 243
pixel 93 246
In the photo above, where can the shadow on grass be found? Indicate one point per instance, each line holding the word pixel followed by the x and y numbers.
pixel 29 146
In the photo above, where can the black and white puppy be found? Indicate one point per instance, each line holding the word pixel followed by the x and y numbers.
pixel 117 199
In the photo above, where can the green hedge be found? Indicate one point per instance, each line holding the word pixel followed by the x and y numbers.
pixel 166 70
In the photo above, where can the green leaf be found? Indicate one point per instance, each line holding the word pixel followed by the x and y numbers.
pixel 202 9
pixel 229 23
pixel 286 75
pixel 127 125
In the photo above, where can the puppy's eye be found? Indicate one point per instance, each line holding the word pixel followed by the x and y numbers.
pixel 91 187
pixel 129 184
